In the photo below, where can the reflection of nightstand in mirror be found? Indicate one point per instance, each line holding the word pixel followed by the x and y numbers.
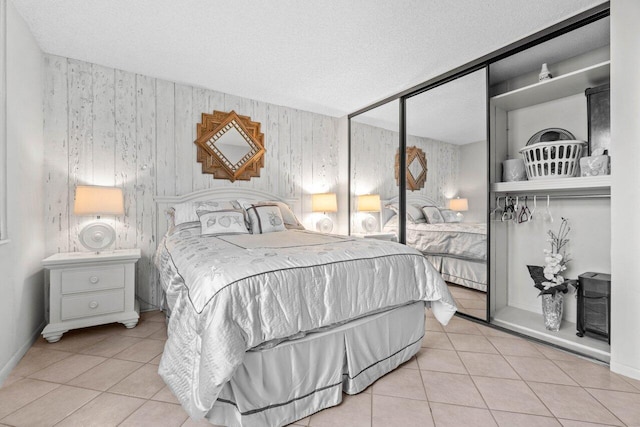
pixel 391 237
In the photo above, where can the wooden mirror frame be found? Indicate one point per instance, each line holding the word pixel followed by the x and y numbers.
pixel 413 183
pixel 212 128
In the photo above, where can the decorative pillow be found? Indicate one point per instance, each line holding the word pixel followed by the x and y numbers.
pixel 289 218
pixel 449 216
pixel 187 211
pixel 265 219
pixel 414 213
pixel 227 221
pixel 432 214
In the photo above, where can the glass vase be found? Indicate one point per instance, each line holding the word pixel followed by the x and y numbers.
pixel 552 306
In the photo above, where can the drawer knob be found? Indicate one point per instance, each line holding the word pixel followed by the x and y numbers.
pixel 93 304
pixel 94 279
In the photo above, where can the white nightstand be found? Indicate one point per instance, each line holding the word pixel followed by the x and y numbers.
pixel 391 237
pixel 88 289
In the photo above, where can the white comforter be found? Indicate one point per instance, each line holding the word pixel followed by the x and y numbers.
pixel 229 294
pixel 457 239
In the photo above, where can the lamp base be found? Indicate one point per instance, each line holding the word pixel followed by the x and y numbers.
pixel 324 225
pixel 97 236
pixel 369 224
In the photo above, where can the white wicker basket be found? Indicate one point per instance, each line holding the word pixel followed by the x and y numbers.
pixel 556 159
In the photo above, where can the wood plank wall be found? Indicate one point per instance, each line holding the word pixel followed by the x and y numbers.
pixel 373 152
pixel 105 126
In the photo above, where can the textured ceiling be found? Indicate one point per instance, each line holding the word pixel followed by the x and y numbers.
pixel 330 56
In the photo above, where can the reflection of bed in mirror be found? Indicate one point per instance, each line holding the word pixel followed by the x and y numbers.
pixel 458 250
pixel 266 329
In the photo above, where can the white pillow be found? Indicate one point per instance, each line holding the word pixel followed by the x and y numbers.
pixel 414 213
pixel 227 221
pixel 289 218
pixel 449 216
pixel 265 219
pixel 187 211
pixel 432 214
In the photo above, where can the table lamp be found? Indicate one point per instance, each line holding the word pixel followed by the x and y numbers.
pixel 368 203
pixel 324 202
pixel 95 200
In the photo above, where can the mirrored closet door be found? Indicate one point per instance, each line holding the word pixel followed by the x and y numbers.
pixel 375 139
pixel 446 193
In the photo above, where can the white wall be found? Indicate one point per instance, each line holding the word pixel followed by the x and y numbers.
pixel 472 180
pixel 625 191
pixel 21 277
pixel 110 127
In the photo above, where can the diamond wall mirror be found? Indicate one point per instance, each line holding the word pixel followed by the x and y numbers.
pixel 416 168
pixel 230 146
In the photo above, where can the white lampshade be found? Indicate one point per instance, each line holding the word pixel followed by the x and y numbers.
pixel 324 202
pixel 96 200
pixel 458 204
pixel 368 203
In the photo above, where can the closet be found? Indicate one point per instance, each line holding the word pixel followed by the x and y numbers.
pixel 519 106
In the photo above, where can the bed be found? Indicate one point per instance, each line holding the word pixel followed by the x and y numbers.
pixel 266 329
pixel 458 251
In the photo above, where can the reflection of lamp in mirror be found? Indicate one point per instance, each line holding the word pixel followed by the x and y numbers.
pixel 94 200
pixel 324 202
pixel 368 203
pixel 459 205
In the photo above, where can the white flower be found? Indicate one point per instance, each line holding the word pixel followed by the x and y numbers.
pixel 559 280
pixel 548 285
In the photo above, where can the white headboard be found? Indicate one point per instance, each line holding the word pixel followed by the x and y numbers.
pixel 415 199
pixel 214 194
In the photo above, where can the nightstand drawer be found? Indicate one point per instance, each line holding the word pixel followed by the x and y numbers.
pixel 92 279
pixel 74 306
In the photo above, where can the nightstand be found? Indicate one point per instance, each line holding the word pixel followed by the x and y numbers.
pixel 391 237
pixel 88 289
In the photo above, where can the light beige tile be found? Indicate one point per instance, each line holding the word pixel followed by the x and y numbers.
pixel 487 365
pixel 573 403
pixel 20 393
pixel 410 364
pixel 456 416
pixel 475 312
pixel 574 423
pixel 393 411
pixel 354 411
pixel 589 374
pixel 156 414
pixel 153 316
pixel 302 422
pixel 437 340
pixel 156 360
pixel 52 407
pixel 539 370
pixel 625 406
pixel 509 395
pixel 556 354
pixel 633 382
pixel 14 379
pixel 166 395
pixel 105 375
pixel 76 340
pixel 472 343
pixel 143 329
pixel 489 331
pixel 514 346
pixel 460 292
pixel 458 325
pixel 143 383
pixel 68 368
pixel 199 423
pixel 512 419
pixel 455 389
pixel 159 335
pixel 142 351
pixel 110 346
pixel 105 410
pixel 432 324
pixel 36 359
pixel 472 303
pixel 401 383
pixel 434 359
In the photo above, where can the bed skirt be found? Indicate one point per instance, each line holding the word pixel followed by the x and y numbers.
pixel 279 385
pixel 464 272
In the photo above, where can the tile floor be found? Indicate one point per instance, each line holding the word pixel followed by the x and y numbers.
pixel 469 301
pixel 465 375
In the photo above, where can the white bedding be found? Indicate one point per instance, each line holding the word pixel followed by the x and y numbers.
pixel 231 293
pixel 457 239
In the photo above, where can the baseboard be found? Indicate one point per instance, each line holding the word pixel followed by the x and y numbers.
pixel 17 356
pixel 625 370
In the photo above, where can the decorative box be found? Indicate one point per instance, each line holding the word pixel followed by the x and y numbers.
pixel 594 165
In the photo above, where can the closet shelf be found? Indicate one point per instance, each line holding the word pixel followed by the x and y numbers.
pixel 555 88
pixel 578 184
